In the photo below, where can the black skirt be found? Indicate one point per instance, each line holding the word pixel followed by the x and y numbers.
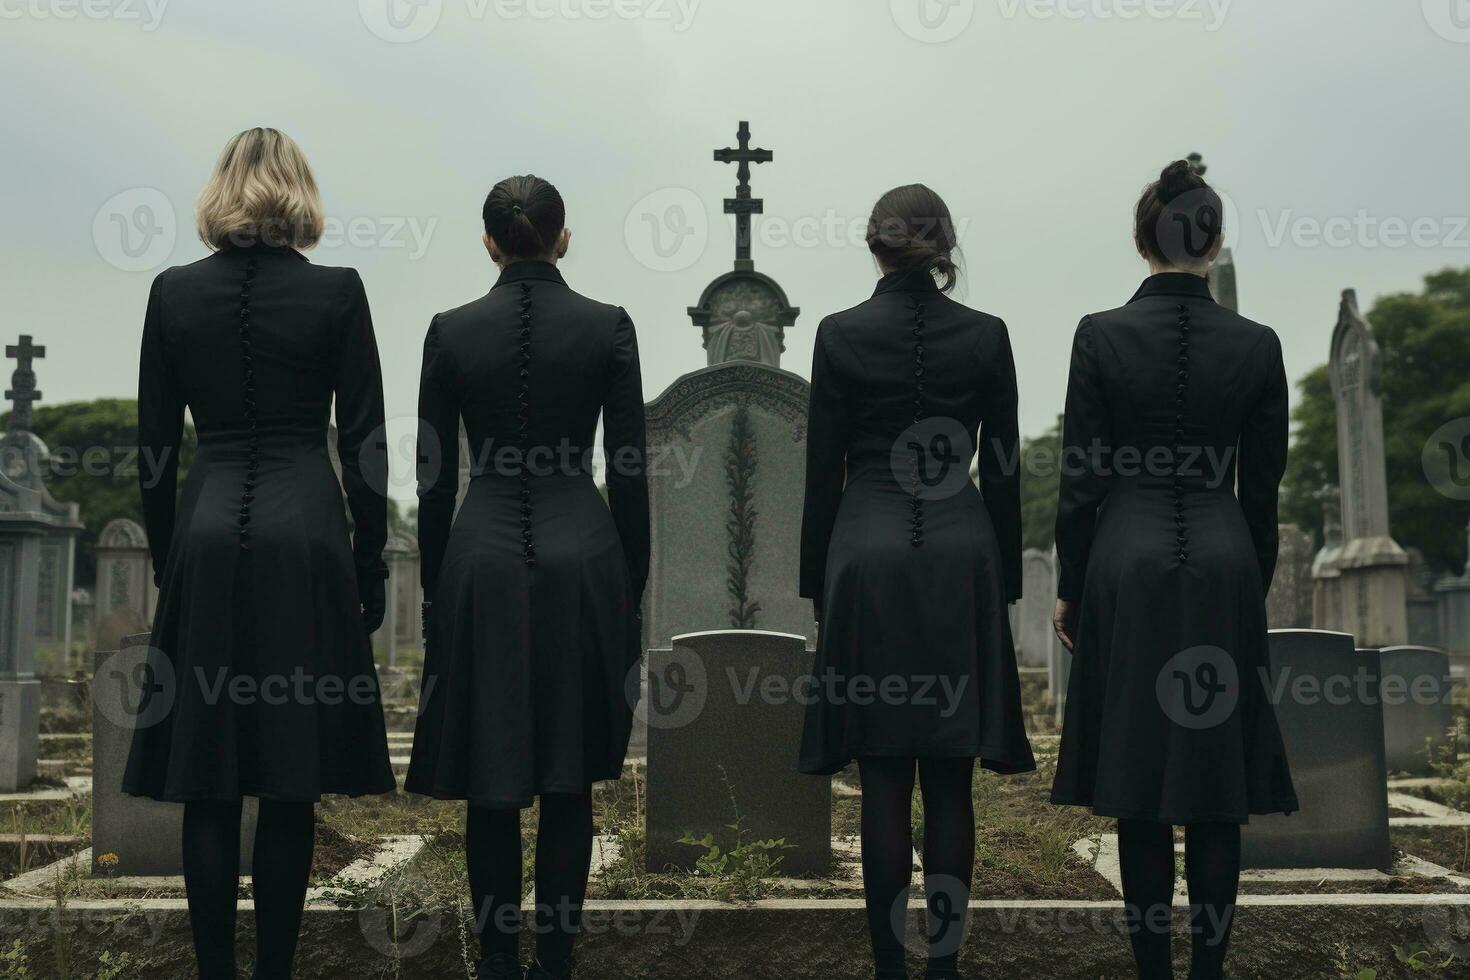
pixel 1167 711
pixel 915 656
pixel 525 687
pixel 262 680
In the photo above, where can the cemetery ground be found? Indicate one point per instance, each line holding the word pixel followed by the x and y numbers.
pixel 388 894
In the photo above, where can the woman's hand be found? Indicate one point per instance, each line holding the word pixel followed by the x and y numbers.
pixel 373 594
pixel 1064 621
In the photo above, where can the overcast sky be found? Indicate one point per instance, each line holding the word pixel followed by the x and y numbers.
pixel 1333 127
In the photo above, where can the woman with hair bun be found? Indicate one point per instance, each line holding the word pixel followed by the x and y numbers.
pixel 1176 429
pixel 910 567
pixel 532 591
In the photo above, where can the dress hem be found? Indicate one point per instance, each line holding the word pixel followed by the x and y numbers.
pixel 991 759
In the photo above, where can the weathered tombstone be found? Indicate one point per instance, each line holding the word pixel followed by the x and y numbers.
pixel 145 835
pixel 725 712
pixel 1424 618
pixel 405 593
pixel 1454 604
pixel 1326 578
pixel 398 553
pixel 124 570
pixel 1289 604
pixel 1417 709
pixel 1038 601
pixel 37 550
pixel 1328 703
pixel 1372 566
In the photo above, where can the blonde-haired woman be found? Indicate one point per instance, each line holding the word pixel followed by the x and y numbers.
pixel 264 683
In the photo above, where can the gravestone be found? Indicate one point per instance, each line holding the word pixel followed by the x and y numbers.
pixel 125 570
pixel 724 713
pixel 1417 709
pixel 1326 578
pixel 1328 703
pixel 1372 566
pixel 1423 605
pixel 145 835
pixel 400 553
pixel 37 552
pixel 1289 603
pixel 1035 636
pixel 1454 603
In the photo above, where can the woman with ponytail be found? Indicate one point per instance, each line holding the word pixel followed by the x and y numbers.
pixel 910 568
pixel 532 591
pixel 1176 429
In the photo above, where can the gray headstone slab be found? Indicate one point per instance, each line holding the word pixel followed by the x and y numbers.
pixel 1418 711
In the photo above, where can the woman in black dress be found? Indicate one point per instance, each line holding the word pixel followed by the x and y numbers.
pixel 1174 446
pixel 265 684
pixel 532 596
pixel 911 567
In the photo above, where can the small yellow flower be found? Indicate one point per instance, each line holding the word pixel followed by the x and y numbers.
pixel 108 860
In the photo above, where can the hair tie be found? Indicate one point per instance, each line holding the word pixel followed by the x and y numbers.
pixel 517 209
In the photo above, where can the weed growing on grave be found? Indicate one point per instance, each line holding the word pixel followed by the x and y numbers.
pixel 14 963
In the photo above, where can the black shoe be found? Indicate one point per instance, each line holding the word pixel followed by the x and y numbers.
pixel 499 967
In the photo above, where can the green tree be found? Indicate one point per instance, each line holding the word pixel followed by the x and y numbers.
pixel 1040 484
pixel 1425 343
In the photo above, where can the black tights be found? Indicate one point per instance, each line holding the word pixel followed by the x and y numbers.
pixel 563 857
pixel 1212 868
pixel 949 855
pixel 284 840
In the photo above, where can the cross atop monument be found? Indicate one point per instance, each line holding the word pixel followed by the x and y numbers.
pixel 23 391
pixel 742 205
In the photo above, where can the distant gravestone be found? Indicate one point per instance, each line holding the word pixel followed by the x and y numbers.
pixel 1454 602
pixel 1326 577
pixel 124 570
pixel 37 553
pixel 1425 622
pixel 401 618
pixel 1327 699
pixel 144 835
pixel 1289 604
pixel 1372 566
pixel 1038 602
pixel 1418 711
pixel 725 712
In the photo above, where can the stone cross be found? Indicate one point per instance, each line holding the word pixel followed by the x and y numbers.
pixel 742 205
pixel 23 391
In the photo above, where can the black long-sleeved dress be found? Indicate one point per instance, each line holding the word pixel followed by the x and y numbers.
pixel 1173 400
pixel 263 681
pixel 912 564
pixel 533 631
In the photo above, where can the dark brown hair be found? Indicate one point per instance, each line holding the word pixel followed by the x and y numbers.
pixel 1179 219
pixel 911 228
pixel 525 216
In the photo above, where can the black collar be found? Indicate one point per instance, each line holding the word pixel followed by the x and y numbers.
pixel 914 279
pixel 529 269
pixel 257 246
pixel 1174 284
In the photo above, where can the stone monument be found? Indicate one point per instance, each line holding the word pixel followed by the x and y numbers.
pixel 37 556
pixel 1372 567
pixel 125 571
pixel 1289 603
pixel 1454 601
pixel 1326 579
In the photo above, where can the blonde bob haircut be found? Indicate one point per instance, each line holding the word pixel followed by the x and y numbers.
pixel 261 190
